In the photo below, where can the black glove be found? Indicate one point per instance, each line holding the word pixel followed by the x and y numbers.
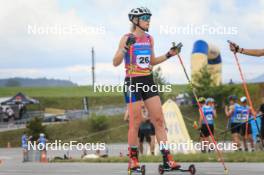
pixel 176 48
pixel 233 47
pixel 130 41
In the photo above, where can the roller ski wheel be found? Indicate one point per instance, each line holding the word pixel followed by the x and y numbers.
pixel 129 171
pixel 161 170
pixel 137 170
pixel 143 170
pixel 192 169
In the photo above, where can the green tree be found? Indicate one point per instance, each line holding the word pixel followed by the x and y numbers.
pixel 35 127
pixel 12 83
pixel 205 87
pixel 159 80
pixel 98 123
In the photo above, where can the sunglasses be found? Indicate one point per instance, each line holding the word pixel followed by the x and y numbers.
pixel 145 17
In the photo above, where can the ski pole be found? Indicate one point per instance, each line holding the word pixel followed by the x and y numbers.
pixel 247 94
pixel 131 116
pixel 201 112
pixel 240 124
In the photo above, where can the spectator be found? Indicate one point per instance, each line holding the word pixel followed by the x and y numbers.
pixel 261 110
pixel 146 130
pixel 246 132
pixel 24 145
pixel 10 113
pixel 233 112
pixel 42 141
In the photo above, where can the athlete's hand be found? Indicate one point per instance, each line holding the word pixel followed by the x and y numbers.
pixel 174 50
pixel 130 41
pixel 233 47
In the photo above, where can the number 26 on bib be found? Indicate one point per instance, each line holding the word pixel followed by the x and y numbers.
pixel 143 61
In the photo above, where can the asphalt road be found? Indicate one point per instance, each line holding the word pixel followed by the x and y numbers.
pixel 9 168
pixel 12 165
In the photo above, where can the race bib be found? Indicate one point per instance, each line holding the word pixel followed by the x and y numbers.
pixel 239 116
pixel 143 61
pixel 244 116
pixel 209 117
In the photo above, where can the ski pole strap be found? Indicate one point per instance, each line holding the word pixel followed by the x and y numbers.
pixel 174 47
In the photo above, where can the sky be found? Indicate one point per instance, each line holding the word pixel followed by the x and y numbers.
pixel 53 38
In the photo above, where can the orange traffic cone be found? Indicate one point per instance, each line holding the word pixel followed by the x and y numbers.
pixel 195 125
pixel 43 157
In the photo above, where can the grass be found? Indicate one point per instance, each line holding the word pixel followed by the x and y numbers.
pixel 199 157
pixel 77 91
pixel 71 97
pixel 81 130
pixel 78 130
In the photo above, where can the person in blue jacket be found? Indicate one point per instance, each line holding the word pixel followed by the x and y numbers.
pixel 234 113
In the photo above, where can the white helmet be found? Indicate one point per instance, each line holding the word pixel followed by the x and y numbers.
pixel 41 135
pixel 243 99
pixel 138 12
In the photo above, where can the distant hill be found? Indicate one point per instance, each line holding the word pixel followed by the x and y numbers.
pixel 258 79
pixel 38 82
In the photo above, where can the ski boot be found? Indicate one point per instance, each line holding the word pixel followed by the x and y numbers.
pixel 133 164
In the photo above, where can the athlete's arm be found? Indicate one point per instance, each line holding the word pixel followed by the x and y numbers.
pixel 200 120
pixel 252 112
pixel 229 111
pixel 252 52
pixel 157 60
pixel 119 55
pixel 126 116
pixel 215 116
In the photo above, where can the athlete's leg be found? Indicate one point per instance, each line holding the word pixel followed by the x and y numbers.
pixel 245 143
pixel 251 141
pixel 153 105
pixel 141 147
pixel 235 139
pixel 154 108
pixel 137 118
pixel 134 124
pixel 152 145
pixel 206 144
pixel 244 136
pixel 203 140
pixel 210 138
pixel 141 140
pixel 250 138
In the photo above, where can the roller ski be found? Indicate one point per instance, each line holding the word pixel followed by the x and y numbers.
pixel 170 165
pixel 133 164
pixel 163 169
